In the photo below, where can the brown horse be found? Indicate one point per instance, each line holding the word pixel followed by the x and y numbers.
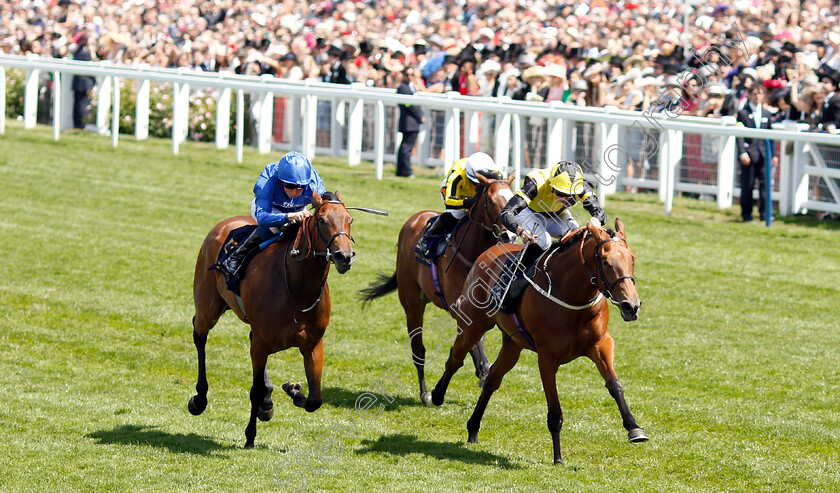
pixel 286 301
pixel 561 316
pixel 414 281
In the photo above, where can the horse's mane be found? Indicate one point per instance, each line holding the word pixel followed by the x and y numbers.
pixel 574 237
pixel 330 196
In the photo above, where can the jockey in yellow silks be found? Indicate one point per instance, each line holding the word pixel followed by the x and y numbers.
pixel 540 209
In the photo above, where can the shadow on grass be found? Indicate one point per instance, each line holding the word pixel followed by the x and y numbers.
pixel 148 435
pixel 338 397
pixel 402 444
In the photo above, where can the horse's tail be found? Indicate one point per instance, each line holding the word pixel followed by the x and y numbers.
pixel 383 285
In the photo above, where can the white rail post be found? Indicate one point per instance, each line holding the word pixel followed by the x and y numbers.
pixel 452 135
pixel 223 119
pixel 355 117
pixel 501 144
pixel 555 142
pixel 103 101
pixel 180 112
pixel 379 140
pixel 30 97
pixel 613 158
pixel 799 180
pixel 471 132
pixel 56 94
pixel 2 100
pixel 310 125
pixel 67 100
pixel 516 146
pixel 336 125
pixel 266 118
pixel 671 157
pixel 293 119
pixel 141 109
pixel 726 165
pixel 115 113
pixel 240 124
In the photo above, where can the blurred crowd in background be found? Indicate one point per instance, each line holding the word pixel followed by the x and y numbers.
pixel 596 53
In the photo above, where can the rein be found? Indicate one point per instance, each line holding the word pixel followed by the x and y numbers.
pixel 294 251
pixel 598 278
pixel 494 229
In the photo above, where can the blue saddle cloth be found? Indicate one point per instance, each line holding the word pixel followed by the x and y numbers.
pixel 235 238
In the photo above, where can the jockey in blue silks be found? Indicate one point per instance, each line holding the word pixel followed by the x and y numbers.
pixel 281 194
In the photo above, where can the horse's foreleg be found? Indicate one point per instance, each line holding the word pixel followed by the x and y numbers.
pixel 258 392
pixel 465 342
pixel 548 375
pixel 482 365
pixel 313 363
pixel 602 355
pixel 266 410
pixel 198 402
pixel 414 309
pixel 508 356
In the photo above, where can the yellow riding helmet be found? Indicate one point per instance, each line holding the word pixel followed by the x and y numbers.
pixel 567 178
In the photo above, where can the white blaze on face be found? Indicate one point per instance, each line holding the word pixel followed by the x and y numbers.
pixel 507 194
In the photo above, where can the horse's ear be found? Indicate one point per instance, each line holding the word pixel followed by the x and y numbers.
pixel 316 200
pixel 619 228
pixel 510 178
pixel 483 181
pixel 597 232
pixel 339 196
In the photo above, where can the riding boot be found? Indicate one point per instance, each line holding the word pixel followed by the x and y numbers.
pixel 529 255
pixel 443 223
pixel 234 262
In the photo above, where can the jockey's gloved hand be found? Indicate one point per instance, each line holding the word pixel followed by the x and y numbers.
pixel 470 201
pixel 595 222
pixel 527 236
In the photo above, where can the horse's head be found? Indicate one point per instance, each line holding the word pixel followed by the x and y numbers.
pixel 614 267
pixel 495 194
pixel 331 223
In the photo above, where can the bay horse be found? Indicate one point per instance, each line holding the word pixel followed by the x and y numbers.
pixel 414 281
pixel 285 298
pixel 563 314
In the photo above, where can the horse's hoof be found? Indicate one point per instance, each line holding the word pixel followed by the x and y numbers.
pixel 637 435
pixel 473 438
pixel 265 414
pixel 197 405
pixel 426 398
pixel 249 444
pixel 558 462
pixel 481 382
pixel 290 387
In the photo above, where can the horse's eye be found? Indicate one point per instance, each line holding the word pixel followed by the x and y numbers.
pixel 321 220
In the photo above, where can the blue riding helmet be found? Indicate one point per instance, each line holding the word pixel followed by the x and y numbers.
pixel 294 168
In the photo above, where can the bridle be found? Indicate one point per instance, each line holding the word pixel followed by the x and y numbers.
pixel 599 277
pixel 326 252
pixel 494 227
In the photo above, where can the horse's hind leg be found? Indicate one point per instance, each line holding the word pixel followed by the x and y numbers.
pixel 482 365
pixel 313 363
pixel 548 375
pixel 209 306
pixel 414 304
pixel 465 342
pixel 602 354
pixel 508 356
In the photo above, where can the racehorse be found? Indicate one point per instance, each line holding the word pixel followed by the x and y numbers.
pixel 285 298
pixel 563 314
pixel 414 281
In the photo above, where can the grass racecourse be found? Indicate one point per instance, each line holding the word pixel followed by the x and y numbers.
pixel 732 369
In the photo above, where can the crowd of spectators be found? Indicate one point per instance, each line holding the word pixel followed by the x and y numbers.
pixel 596 53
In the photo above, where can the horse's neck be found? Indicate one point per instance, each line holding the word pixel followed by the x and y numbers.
pixel 569 273
pixel 473 239
pixel 306 270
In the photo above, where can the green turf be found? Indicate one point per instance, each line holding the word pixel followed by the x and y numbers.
pixel 731 369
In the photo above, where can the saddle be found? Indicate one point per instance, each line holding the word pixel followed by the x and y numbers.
pixel 431 246
pixel 234 239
